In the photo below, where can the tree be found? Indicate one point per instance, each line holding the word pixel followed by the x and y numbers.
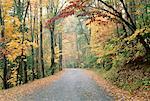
pixel 41 40
pixel 106 10
pixel 60 51
pixel 53 9
pixel 4 78
pixel 32 24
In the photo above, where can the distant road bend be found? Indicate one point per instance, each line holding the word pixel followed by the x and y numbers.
pixel 74 85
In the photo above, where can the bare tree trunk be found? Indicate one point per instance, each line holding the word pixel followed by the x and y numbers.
pixel 41 41
pixel 32 40
pixel 3 46
pixel 23 57
pixel 25 70
pixel 60 51
pixel 37 52
pixel 52 45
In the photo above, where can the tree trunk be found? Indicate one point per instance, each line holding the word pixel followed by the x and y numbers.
pixel 41 41
pixel 37 52
pixel 32 40
pixel 3 46
pixel 23 57
pixel 52 45
pixel 60 51
pixel 25 70
pixel 146 46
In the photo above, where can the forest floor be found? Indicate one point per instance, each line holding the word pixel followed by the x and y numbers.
pixel 118 93
pixel 70 85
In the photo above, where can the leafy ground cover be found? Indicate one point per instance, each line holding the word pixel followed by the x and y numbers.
pixel 118 93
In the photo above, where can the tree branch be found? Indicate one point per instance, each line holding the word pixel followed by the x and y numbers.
pixel 1 77
pixel 61 7
pixel 109 6
pixel 118 15
pixel 28 3
pixel 128 15
pixel 131 25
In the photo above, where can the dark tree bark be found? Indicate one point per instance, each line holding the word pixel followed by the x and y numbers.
pixel 52 45
pixel 25 70
pixel 60 51
pixel 23 57
pixel 3 46
pixel 37 58
pixel 32 40
pixel 41 41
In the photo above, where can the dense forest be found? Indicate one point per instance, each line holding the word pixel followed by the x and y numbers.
pixel 41 37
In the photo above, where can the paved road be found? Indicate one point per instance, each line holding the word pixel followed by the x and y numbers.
pixel 74 85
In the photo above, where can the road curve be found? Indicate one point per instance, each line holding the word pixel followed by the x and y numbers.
pixel 74 85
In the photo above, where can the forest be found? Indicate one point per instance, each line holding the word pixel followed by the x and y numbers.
pixel 39 38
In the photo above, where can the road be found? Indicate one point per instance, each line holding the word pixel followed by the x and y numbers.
pixel 74 85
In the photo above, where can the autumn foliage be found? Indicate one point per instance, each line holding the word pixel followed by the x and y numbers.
pixel 69 10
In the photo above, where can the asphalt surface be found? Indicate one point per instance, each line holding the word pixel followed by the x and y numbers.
pixel 74 85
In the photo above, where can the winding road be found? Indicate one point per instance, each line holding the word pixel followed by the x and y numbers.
pixel 74 85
